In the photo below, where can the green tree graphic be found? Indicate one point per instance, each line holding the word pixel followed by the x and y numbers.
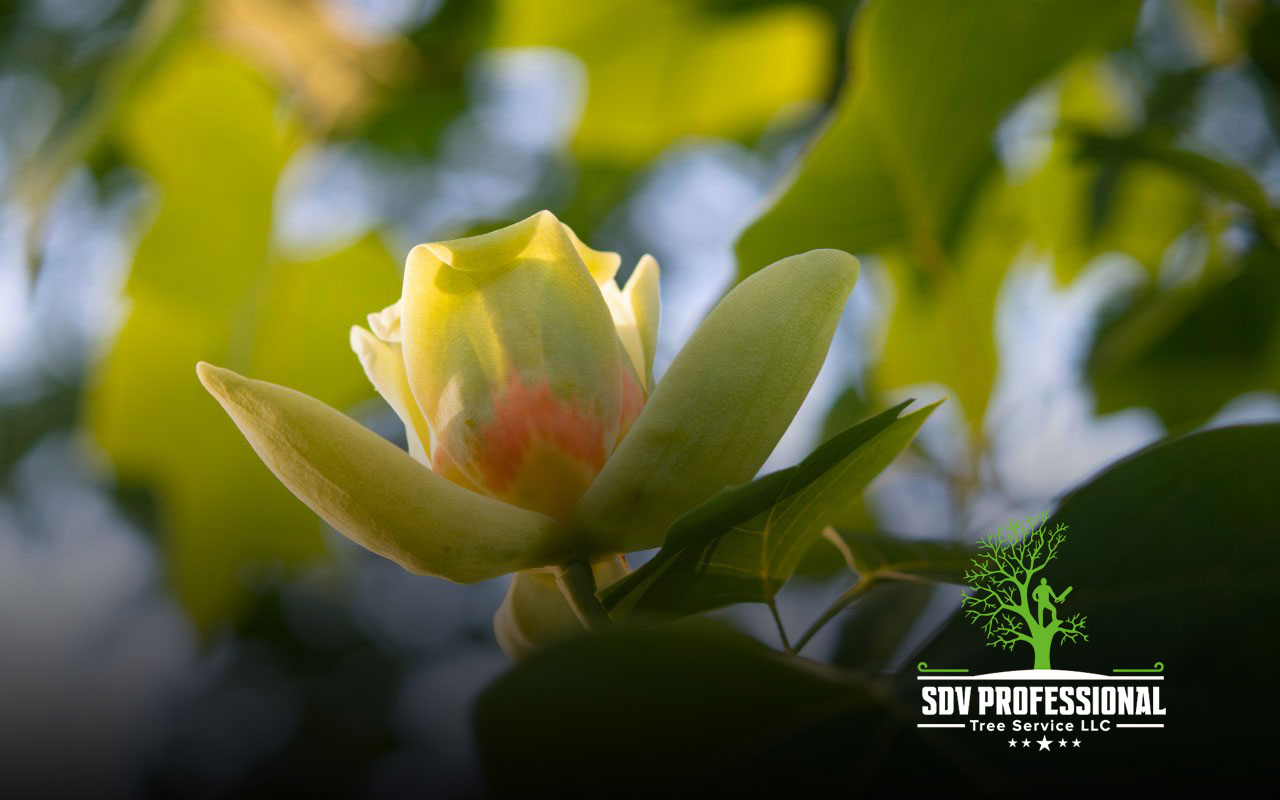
pixel 1003 588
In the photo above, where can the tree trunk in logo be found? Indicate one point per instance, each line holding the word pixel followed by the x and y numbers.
pixel 1041 641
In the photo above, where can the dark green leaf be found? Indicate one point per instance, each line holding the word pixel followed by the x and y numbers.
pixel 880 556
pixel 875 630
pixel 1186 351
pixel 1172 554
pixel 683 710
pixel 745 542
pixel 1229 182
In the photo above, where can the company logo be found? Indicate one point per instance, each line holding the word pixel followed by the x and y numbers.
pixel 1012 602
pixel 1003 591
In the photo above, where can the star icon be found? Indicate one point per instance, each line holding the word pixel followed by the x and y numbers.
pixel 1013 742
pixel 1075 742
pixel 1044 743
pixel 1026 742
pixel 1062 743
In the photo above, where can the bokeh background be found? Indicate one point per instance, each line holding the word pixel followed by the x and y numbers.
pixel 1065 213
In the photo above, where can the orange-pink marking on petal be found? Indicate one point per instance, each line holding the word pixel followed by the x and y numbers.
pixel 633 400
pixel 538 451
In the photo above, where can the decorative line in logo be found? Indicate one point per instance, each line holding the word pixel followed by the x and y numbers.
pixel 1159 667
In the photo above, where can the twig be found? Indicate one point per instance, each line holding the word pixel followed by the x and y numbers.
pixel 777 620
pixel 850 596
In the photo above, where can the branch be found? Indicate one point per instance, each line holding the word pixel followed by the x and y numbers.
pixel 984 610
pixel 1006 634
pixel 1072 630
pixel 995 561
pixel 1055 538
pixel 845 600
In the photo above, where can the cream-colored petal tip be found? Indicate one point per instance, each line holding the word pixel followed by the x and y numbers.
pixel 385 324
pixel 645 277
pixel 213 378
pixel 362 342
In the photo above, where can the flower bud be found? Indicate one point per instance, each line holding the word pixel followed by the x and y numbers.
pixel 520 356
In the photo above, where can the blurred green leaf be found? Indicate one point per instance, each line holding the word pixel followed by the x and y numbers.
pixel 93 88
pixel 1172 555
pixel 204 285
pixel 1076 208
pixel 659 70
pixel 1186 351
pixel 745 542
pixel 411 114
pixel 881 560
pixel 874 630
pixel 942 329
pixel 901 169
pixel 689 710
pixel 929 81
pixel 879 556
pixel 1229 182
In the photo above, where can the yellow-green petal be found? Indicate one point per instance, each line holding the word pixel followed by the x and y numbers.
pixel 624 322
pixel 376 494
pixel 723 404
pixel 602 264
pixel 534 612
pixel 645 302
pixel 385 324
pixel 383 363
pixel 512 355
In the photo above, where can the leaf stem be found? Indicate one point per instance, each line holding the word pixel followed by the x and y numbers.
pixel 848 598
pixel 782 631
pixel 578 585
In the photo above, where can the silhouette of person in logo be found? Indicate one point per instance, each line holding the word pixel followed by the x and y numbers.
pixel 1045 598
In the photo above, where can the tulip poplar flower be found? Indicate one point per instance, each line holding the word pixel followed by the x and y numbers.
pixel 539 443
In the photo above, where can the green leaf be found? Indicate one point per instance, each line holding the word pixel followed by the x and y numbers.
pixel 1186 351
pixel 743 544
pixel 723 404
pixel 1077 208
pixel 204 285
pixel 659 70
pixel 690 708
pixel 942 327
pixel 1172 556
pixel 901 169
pixel 879 556
pixel 928 83
pixel 1231 183
pixel 874 631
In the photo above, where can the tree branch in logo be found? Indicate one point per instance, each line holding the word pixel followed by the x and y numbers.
pixel 1003 587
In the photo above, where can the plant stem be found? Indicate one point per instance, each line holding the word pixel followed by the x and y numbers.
pixel 848 598
pixel 777 620
pixel 578 585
